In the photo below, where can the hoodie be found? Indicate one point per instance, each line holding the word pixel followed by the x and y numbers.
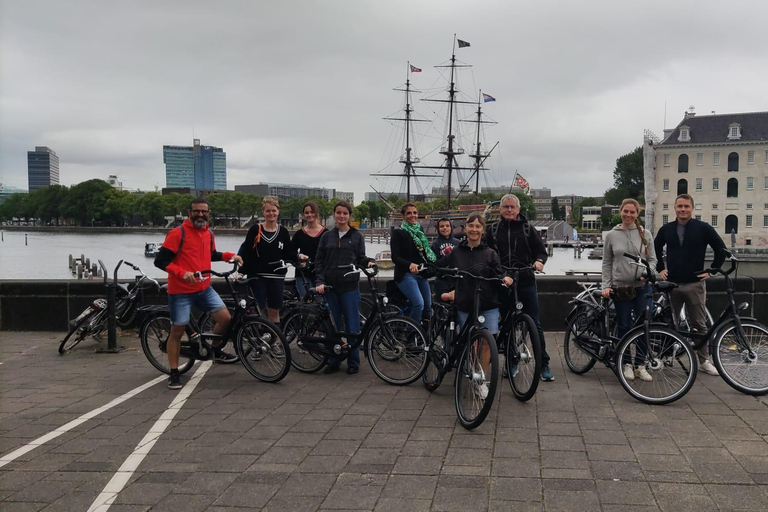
pixel 618 270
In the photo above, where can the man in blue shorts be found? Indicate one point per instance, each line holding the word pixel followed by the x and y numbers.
pixel 187 249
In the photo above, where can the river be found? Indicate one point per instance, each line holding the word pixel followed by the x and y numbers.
pixel 46 255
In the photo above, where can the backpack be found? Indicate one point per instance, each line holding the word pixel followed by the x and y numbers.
pixel 181 243
pixel 526 234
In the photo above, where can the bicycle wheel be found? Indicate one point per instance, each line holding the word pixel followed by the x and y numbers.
pixel 523 358
pixel 577 360
pixel 263 349
pixel 78 332
pixel 397 349
pixel 476 379
pixel 439 332
pixel 743 363
pixel 670 361
pixel 154 336
pixel 301 324
pixel 206 323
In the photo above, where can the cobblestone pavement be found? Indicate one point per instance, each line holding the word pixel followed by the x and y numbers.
pixel 319 442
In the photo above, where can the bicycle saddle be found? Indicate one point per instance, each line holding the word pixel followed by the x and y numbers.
pixel 665 286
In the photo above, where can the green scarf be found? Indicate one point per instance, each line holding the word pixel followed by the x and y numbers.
pixel 420 239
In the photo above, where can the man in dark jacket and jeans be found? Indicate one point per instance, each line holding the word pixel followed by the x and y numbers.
pixel 686 241
pixel 519 244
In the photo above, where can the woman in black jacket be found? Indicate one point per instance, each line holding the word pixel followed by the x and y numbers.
pixel 304 245
pixel 342 245
pixel 410 249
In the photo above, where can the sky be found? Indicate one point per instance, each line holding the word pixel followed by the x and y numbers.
pixel 296 91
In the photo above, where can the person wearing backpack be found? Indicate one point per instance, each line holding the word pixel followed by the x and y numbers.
pixel 187 249
pixel 519 244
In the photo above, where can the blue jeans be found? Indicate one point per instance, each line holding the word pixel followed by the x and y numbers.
pixel 624 310
pixel 300 288
pixel 347 305
pixel 491 321
pixel 529 296
pixel 416 288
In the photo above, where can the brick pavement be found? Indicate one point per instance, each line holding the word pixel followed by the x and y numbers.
pixel 338 442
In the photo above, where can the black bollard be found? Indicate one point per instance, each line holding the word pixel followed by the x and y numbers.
pixel 25 239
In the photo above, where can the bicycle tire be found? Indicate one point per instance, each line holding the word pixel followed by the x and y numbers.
pixel 438 358
pixel 299 324
pixel 671 362
pixel 524 359
pixel 743 373
pixel 154 334
pixel 397 350
pixel 69 342
pixel 206 323
pixel 577 360
pixel 263 349
pixel 471 407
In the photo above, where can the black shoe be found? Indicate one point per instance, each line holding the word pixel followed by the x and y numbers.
pixel 226 358
pixel 351 370
pixel 174 381
pixel 330 369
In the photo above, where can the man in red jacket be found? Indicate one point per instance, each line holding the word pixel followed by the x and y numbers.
pixel 187 249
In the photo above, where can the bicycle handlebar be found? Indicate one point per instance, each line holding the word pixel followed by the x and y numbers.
pixel 225 275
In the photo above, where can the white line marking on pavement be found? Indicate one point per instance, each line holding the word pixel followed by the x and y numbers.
pixel 113 488
pixel 72 424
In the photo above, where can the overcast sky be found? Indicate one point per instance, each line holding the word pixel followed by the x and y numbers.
pixel 295 91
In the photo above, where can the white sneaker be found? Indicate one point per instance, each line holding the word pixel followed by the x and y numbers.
pixel 629 372
pixel 482 390
pixel 708 368
pixel 642 374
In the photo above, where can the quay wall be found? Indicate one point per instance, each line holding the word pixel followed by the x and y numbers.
pixel 37 305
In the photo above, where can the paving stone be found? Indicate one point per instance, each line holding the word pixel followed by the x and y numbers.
pixel 246 495
pixel 516 489
pixel 621 470
pixel 307 484
pixel 721 473
pixel 738 497
pixel 460 500
pixel 522 468
pixel 557 500
pixel 418 465
pixel 357 498
pixel 610 452
pixel 410 486
pixel 293 503
pixel 624 493
pixel 402 504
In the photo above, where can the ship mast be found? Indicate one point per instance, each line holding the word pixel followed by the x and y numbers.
pixel 478 156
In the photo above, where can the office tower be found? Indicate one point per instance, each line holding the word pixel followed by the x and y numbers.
pixel 197 167
pixel 42 168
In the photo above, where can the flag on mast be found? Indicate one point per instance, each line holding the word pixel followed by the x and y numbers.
pixel 462 44
pixel 488 98
pixel 521 182
pixel 414 69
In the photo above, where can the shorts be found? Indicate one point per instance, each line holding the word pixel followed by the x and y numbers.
pixel 180 304
pixel 269 292
pixel 491 319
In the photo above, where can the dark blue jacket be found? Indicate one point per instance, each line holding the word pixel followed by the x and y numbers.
pixel 683 262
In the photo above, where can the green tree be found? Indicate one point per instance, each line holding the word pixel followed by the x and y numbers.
pixel 628 178
pixel 47 202
pixel 527 207
pixel 86 201
pixel 556 211
pixel 17 206
pixel 151 207
pixel 362 212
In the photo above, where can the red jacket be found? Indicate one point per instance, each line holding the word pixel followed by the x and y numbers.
pixel 197 252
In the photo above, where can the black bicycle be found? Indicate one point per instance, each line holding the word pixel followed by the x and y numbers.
pixel 472 351
pixel 93 320
pixel 669 362
pixel 738 344
pixel 259 343
pixel 395 345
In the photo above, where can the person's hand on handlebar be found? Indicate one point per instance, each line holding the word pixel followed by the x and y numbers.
pixel 189 277
pixel 607 292
pixel 238 259
pixel 539 266
pixel 663 275
pixel 413 268
pixel 320 289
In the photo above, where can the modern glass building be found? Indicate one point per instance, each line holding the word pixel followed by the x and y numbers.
pixel 197 167
pixel 42 168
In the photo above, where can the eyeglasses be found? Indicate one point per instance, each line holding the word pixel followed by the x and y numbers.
pixel 200 212
pixel 509 207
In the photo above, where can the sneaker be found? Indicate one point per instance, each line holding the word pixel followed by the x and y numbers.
pixel 546 374
pixel 516 370
pixel 351 370
pixel 642 374
pixel 481 390
pixel 629 372
pixel 708 368
pixel 226 358
pixel 174 381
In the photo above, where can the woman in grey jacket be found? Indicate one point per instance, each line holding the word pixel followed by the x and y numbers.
pixel 619 272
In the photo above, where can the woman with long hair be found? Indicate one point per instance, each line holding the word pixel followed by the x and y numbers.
pixel 443 245
pixel 410 249
pixel 625 280
pixel 304 245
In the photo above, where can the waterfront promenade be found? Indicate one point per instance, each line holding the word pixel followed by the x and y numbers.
pixel 339 442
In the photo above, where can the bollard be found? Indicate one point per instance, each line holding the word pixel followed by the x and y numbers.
pixel 94 270
pixel 82 258
pixel 87 262
pixel 79 271
pixel 25 239
pixel 71 262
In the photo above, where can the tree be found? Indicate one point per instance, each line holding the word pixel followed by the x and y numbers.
pixel 151 208
pixel 527 207
pixel 362 212
pixel 628 178
pixel 556 211
pixel 576 210
pixel 46 202
pixel 86 201
pixel 17 206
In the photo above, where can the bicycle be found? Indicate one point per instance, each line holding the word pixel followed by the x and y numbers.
pixel 93 320
pixel 738 344
pixel 394 345
pixel 258 342
pixel 665 355
pixel 472 351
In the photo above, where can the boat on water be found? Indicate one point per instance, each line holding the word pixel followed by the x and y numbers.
pixel 151 249
pixel 384 260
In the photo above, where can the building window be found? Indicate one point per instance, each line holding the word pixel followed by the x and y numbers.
pixel 699 158
pixel 765 206
pixel 666 159
pixel 665 219
pixel 682 163
pixel 716 158
pixel 714 221
pixel 665 185
pixel 714 206
pixel 750 183
pixel 699 184
pixel 665 206
pixel 750 157
pixel 697 217
pixel 734 131
pixel 765 221
pixel 748 221
pixel 765 183
pixel 733 162
pixel 685 134
pixel 697 206
pixel 731 224
pixel 749 206
pixel 733 188
pixel 715 183
pixel 682 187
pixel 766 156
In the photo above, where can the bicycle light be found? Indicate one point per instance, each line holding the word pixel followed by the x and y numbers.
pixel 480 318
pixel 243 304
pixel 385 300
pixel 519 306
pixel 743 306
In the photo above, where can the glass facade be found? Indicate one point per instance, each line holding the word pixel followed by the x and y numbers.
pixel 42 168
pixel 197 167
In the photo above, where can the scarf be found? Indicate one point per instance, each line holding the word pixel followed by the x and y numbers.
pixel 420 239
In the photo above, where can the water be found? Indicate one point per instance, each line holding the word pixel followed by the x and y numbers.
pixel 47 254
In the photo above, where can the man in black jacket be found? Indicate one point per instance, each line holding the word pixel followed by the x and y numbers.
pixel 519 244
pixel 686 241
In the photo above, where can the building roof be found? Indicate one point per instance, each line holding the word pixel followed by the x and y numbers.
pixel 710 129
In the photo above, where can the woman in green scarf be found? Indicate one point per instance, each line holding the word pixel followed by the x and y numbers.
pixel 410 249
